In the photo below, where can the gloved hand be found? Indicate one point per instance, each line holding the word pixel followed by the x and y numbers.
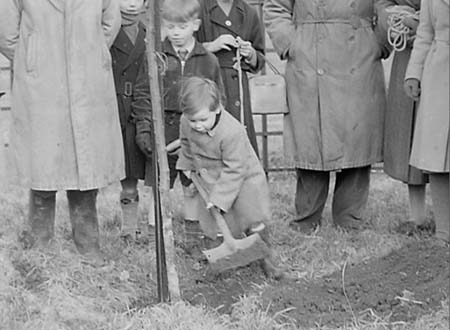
pixel 412 88
pixel 144 143
pixel 411 22
pixel 143 137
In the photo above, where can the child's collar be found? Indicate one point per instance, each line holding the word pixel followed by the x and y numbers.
pixel 212 131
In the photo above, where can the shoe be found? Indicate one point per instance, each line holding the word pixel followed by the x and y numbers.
pixel 409 228
pixel 271 271
pixel 192 229
pixel 351 225
pixel 306 227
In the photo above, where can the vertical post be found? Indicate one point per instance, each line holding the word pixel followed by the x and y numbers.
pixel 168 284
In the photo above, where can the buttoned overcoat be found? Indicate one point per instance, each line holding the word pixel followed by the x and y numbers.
pixel 335 81
pixel 429 63
pixel 65 130
pixel 229 171
pixel 128 59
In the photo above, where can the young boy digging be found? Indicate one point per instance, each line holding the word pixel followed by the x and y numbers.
pixel 216 147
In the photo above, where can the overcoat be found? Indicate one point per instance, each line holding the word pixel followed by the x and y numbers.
pixel 242 21
pixel 127 59
pixel 229 170
pixel 429 63
pixel 65 129
pixel 400 112
pixel 335 81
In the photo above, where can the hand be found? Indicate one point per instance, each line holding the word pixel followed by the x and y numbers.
pixel 411 22
pixel 224 41
pixel 173 148
pixel 144 143
pixel 412 88
pixel 246 49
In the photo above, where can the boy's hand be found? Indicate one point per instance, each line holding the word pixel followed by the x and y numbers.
pixel 143 142
pixel 173 148
pixel 412 88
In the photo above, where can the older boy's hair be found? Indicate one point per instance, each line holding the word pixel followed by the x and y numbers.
pixel 197 93
pixel 180 10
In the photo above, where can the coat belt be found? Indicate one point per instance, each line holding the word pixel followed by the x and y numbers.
pixel 355 21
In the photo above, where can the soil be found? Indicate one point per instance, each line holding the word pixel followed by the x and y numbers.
pixel 401 286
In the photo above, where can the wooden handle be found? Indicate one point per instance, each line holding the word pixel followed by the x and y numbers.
pixel 220 220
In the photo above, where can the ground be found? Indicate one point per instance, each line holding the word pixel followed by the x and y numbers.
pixel 375 278
pixel 401 286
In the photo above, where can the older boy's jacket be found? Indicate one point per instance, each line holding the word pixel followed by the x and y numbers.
pixel 229 170
pixel 200 63
pixel 127 60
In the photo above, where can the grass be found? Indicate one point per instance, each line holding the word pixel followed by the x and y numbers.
pixel 56 289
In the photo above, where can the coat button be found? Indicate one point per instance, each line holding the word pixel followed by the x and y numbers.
pixel 237 103
pixel 203 171
pixel 320 72
pixel 228 22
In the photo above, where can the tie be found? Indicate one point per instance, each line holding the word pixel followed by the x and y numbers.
pixel 182 53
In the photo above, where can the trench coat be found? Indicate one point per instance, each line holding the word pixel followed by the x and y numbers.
pixel 401 110
pixel 229 170
pixel 242 21
pixel 127 60
pixel 429 63
pixel 335 82
pixel 65 130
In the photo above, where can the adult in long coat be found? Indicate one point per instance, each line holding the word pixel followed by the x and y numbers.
pixel 400 118
pixel 336 97
pixel 427 75
pixel 65 131
pixel 241 21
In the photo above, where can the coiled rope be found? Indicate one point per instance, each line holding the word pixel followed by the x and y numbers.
pixel 398 33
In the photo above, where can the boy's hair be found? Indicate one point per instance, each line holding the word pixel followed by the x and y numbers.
pixel 180 10
pixel 196 93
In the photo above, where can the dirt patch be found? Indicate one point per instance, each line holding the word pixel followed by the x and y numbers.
pixel 401 286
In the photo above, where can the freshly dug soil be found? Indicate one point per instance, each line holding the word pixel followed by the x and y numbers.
pixel 401 286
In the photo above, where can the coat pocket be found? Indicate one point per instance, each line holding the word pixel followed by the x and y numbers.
pixel 31 52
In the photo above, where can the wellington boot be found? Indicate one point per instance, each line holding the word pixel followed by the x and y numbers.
pixel 83 217
pixel 41 217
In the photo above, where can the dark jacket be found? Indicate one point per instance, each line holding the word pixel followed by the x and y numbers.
pixel 242 21
pixel 127 60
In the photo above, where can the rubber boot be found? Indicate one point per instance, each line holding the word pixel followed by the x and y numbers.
pixel 83 217
pixel 130 221
pixel 41 217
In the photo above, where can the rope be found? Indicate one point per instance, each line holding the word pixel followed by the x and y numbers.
pixel 398 33
pixel 240 83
